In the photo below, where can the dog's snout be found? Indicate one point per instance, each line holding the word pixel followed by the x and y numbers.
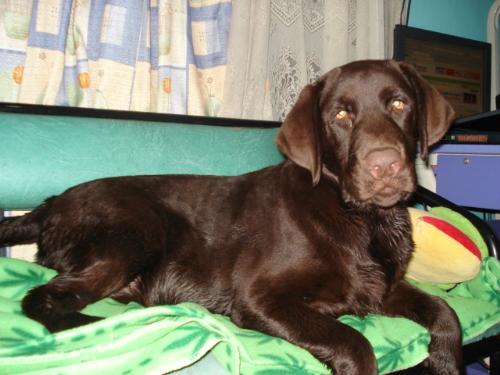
pixel 384 163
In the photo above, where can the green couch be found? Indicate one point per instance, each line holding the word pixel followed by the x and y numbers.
pixel 44 150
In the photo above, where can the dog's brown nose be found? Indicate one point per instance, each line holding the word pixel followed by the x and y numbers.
pixel 384 163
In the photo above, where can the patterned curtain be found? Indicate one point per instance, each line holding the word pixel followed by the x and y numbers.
pixel 157 55
pixel 239 58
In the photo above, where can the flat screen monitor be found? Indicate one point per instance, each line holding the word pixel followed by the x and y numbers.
pixel 459 68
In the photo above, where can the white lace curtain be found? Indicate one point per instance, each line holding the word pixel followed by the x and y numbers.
pixel 278 46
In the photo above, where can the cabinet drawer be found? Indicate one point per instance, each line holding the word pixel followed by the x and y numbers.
pixel 470 180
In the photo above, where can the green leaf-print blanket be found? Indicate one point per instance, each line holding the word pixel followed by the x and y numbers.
pixel 187 339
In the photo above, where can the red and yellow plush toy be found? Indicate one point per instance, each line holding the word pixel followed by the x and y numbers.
pixel 448 248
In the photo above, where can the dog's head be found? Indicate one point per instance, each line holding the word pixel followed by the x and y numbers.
pixel 361 123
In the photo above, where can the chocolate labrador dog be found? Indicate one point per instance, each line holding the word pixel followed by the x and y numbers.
pixel 285 250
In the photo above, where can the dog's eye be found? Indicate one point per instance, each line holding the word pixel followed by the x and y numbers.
pixel 398 105
pixel 343 116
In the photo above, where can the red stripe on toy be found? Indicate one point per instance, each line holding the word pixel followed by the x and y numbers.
pixel 454 233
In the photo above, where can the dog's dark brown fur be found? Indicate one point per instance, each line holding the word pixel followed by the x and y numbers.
pixel 285 250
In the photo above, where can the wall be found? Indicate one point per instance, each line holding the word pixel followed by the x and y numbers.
pixel 464 18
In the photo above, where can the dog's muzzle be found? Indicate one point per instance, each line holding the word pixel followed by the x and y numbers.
pixel 387 175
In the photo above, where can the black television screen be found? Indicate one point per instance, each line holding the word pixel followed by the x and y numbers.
pixel 459 68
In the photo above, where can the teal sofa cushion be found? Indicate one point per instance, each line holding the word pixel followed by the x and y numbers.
pixel 42 155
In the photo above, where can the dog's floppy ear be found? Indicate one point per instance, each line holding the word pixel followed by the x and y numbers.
pixel 298 137
pixel 435 114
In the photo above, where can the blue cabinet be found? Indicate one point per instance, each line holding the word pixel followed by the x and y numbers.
pixel 469 175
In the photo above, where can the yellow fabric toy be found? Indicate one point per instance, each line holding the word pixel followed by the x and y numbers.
pixel 446 251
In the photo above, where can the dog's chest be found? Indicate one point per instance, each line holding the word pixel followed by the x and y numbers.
pixel 356 289
pixel 362 269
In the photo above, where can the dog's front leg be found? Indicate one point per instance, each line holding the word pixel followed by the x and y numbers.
pixel 340 347
pixel 434 314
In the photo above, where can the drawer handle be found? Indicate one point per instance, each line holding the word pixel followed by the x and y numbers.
pixel 466 161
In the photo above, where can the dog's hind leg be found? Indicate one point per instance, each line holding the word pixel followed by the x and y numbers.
pixel 57 304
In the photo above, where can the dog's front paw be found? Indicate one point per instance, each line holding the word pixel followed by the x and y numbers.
pixel 354 360
pixel 441 365
pixel 445 350
pixel 358 366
